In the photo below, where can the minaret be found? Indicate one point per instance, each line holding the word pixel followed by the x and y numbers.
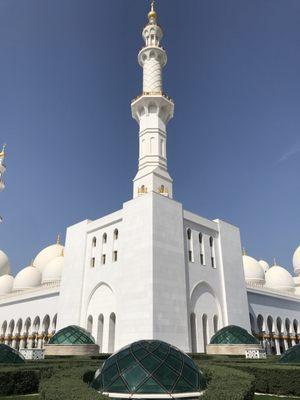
pixel 152 110
pixel 2 168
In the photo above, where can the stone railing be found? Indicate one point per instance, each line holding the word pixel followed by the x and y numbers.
pixel 263 288
pixel 42 288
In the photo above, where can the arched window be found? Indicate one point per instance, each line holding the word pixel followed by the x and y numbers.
pixel 94 242
pixel 193 333
pixel 93 262
pixel 189 234
pixel 90 324
pixel 116 234
pixel 112 333
pixel 100 332
pixel 190 245
pixel 104 238
pixel 212 252
pixel 201 243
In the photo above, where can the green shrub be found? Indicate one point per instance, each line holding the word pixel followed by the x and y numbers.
pixel 228 384
pixel 17 381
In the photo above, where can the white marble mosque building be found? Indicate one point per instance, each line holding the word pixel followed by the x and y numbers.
pixel 151 270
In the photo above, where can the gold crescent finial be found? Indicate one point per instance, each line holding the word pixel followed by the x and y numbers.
pixel 244 251
pixel 58 239
pixel 2 153
pixel 275 262
pixel 152 14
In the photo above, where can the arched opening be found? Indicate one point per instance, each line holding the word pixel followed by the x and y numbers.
pixel 279 330
pixel 46 325
pixel 104 238
pixel 288 332
pixel 100 332
pixel 216 323
pixel 271 329
pixel 27 327
pixel 18 332
pixel 54 323
pixel 193 333
pixel 201 243
pixel 90 324
pixel 205 331
pixel 112 333
pixel 4 328
pixel 94 242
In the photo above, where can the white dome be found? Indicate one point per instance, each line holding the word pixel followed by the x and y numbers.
pixel 53 270
pixel 279 278
pixel 253 270
pixel 4 264
pixel 265 265
pixel 47 255
pixel 296 261
pixel 6 284
pixel 27 278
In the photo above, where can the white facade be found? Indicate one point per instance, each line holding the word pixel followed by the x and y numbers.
pixel 151 270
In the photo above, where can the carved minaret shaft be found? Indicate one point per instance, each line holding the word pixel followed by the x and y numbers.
pixel 152 111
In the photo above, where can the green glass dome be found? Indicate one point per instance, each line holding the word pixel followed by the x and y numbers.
pixel 291 356
pixel 10 356
pixel 149 367
pixel 72 335
pixel 233 334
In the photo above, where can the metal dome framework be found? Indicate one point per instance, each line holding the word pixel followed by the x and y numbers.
pixel 149 367
pixel 291 356
pixel 233 334
pixel 72 335
pixel 9 355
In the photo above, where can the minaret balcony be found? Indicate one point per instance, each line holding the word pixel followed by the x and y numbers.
pixel 153 103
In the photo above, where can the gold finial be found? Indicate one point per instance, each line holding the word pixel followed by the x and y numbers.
pixel 2 153
pixel 31 264
pixel 58 239
pixel 152 14
pixel 244 251
pixel 275 262
pixel 62 254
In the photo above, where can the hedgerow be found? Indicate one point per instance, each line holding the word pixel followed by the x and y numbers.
pixel 18 381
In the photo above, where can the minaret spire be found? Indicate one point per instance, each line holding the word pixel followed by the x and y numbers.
pixel 152 110
pixel 2 166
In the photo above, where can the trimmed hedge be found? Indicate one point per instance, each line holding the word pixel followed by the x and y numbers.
pixel 19 381
pixel 228 384
pixel 274 379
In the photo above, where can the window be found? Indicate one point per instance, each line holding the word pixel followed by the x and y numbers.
pixel 103 259
pixel 116 234
pixel 93 262
pixel 94 242
pixel 212 252
pixel 190 256
pixel 104 238
pixel 115 256
pixel 201 242
pixel 189 234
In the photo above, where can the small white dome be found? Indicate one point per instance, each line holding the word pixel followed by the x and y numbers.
pixel 265 265
pixel 47 255
pixel 4 264
pixel 296 261
pixel 53 270
pixel 279 278
pixel 6 284
pixel 27 278
pixel 253 270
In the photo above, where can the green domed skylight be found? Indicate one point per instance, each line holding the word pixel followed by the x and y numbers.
pixel 10 356
pixel 233 334
pixel 72 335
pixel 149 367
pixel 291 356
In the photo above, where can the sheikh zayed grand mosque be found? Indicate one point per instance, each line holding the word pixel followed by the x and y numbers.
pixel 151 270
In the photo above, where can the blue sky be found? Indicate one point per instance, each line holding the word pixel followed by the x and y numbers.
pixel 68 72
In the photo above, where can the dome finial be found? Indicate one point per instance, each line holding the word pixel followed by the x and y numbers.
pixel 244 251
pixel 58 239
pixel 275 262
pixel 2 153
pixel 152 14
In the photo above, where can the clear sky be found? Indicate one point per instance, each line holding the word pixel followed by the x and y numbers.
pixel 68 72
